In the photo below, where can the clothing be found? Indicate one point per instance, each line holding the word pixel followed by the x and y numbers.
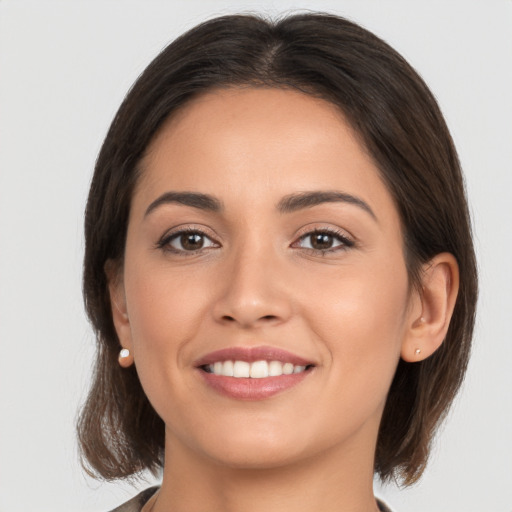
pixel 136 503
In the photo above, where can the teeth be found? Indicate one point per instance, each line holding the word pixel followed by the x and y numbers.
pixel 275 368
pixel 255 370
pixel 259 370
pixel 241 369
pixel 287 368
pixel 227 369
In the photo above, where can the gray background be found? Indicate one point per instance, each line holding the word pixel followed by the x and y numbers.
pixel 64 68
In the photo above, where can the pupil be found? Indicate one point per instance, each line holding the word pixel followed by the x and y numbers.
pixel 192 241
pixel 322 241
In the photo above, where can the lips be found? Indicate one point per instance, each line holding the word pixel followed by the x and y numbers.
pixel 252 373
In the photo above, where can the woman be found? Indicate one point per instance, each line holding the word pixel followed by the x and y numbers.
pixel 279 270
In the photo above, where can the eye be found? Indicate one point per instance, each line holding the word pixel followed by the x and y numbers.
pixel 324 241
pixel 187 241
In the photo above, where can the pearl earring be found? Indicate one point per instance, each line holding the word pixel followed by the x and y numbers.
pixel 417 351
pixel 125 358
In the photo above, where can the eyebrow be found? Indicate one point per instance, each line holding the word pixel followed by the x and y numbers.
pixel 288 204
pixel 294 202
pixel 194 199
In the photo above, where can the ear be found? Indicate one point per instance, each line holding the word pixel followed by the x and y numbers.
pixel 120 317
pixel 432 308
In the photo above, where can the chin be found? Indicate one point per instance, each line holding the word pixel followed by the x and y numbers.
pixel 243 447
pixel 249 456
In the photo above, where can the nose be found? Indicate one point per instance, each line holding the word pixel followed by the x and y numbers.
pixel 255 291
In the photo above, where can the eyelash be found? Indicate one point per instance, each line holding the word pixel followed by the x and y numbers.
pixel 346 243
pixel 165 241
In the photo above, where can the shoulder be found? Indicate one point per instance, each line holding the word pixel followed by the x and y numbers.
pixel 137 502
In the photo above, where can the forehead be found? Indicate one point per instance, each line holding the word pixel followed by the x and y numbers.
pixel 237 116
pixel 258 143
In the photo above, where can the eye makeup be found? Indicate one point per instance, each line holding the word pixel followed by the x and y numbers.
pixel 192 240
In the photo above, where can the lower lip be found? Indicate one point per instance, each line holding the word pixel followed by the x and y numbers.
pixel 253 389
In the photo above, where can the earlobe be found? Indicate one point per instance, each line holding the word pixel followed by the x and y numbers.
pixel 427 328
pixel 119 312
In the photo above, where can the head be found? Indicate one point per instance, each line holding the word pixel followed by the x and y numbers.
pixel 330 67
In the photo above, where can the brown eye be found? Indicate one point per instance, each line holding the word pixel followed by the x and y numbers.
pixel 324 241
pixel 191 241
pixel 187 241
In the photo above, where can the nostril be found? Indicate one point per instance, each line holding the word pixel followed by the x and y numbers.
pixel 229 318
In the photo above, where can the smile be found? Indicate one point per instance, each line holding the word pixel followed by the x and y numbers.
pixel 252 373
pixel 255 370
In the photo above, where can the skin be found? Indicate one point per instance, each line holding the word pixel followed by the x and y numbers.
pixel 260 280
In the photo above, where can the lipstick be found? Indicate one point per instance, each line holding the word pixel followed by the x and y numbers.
pixel 252 373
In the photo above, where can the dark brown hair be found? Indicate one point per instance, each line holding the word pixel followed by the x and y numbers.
pixel 401 126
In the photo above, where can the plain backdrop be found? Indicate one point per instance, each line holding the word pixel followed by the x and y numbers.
pixel 64 69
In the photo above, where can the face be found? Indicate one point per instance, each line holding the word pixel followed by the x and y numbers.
pixel 262 241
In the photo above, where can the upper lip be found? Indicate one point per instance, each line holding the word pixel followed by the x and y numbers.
pixel 251 354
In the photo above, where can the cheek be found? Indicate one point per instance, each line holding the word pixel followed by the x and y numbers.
pixel 360 319
pixel 360 294
pixel 164 309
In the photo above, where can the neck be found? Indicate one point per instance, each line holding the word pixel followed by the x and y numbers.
pixel 332 481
